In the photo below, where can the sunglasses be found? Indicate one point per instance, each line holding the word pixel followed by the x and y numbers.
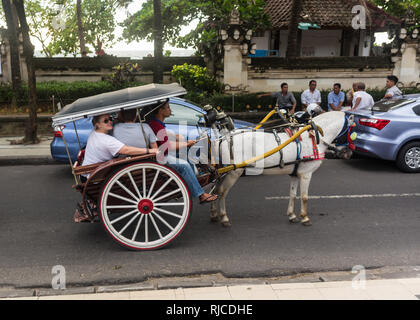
pixel 107 120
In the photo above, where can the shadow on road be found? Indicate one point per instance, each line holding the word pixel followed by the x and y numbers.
pixel 370 164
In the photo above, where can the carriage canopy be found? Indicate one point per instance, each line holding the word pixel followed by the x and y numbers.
pixel 128 98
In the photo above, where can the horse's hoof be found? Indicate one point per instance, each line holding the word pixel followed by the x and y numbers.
pixel 226 224
pixel 214 219
pixel 294 220
pixel 307 223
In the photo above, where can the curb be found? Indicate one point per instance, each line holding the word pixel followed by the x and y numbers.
pixel 29 160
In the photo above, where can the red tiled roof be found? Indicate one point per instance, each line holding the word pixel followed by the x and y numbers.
pixel 327 13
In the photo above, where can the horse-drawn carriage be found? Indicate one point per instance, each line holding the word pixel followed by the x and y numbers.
pixel 142 204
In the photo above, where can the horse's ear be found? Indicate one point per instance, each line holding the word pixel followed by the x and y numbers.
pixel 351 119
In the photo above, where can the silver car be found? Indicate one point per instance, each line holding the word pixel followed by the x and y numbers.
pixel 391 131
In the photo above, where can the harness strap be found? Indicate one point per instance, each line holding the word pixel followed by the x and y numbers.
pixel 276 136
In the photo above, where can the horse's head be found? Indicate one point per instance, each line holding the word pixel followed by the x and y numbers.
pixel 332 123
pixel 218 120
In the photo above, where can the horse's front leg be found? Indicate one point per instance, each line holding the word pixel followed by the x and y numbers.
pixel 225 187
pixel 305 179
pixel 214 214
pixel 294 182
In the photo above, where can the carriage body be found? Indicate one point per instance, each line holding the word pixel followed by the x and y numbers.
pixel 142 204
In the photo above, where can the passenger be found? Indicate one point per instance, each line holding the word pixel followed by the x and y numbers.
pixel 361 99
pixel 392 91
pixel 133 134
pixel 102 147
pixel 155 120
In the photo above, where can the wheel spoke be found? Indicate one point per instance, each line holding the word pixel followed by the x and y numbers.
pixel 129 223
pixel 168 194
pixel 124 216
pixel 134 184
pixel 153 183
pixel 137 227
pixel 122 207
pixel 146 229
pixel 156 227
pixel 127 190
pixel 162 204
pixel 161 188
pixel 144 182
pixel 122 198
pixel 169 213
pixel 163 221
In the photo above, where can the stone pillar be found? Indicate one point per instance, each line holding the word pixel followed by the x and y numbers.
pixel 406 54
pixel 237 46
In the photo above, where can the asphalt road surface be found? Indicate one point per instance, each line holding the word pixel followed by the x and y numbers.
pixel 364 212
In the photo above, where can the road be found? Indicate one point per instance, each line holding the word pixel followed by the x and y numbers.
pixel 365 212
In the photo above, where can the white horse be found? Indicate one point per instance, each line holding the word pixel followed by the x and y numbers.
pixel 247 143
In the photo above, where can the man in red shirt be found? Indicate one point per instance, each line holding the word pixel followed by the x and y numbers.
pixel 158 126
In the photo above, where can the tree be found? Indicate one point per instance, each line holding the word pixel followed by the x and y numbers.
pixel 12 34
pixel 211 17
pixel 292 39
pixel 28 52
pixel 158 43
pixel 399 8
pixel 80 31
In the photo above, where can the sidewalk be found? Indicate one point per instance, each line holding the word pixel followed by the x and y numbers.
pixel 383 289
pixel 13 154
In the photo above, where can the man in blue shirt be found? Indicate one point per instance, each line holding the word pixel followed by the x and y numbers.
pixel 335 98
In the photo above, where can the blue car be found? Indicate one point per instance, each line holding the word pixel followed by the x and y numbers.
pixel 391 131
pixel 183 112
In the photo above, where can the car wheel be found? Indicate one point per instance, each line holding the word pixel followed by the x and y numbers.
pixel 408 159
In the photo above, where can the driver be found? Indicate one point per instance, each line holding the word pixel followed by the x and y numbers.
pixel 155 120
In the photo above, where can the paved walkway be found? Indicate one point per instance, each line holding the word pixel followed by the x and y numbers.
pixel 389 289
pixel 25 154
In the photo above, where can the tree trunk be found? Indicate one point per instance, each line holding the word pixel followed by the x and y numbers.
pixel 158 42
pixel 292 40
pixel 80 30
pixel 28 52
pixel 12 34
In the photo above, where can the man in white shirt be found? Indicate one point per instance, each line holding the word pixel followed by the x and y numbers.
pixel 392 91
pixel 311 95
pixel 361 99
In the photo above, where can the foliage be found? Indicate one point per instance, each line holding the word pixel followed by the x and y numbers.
pixel 124 73
pixel 54 24
pixel 399 8
pixel 211 16
pixel 196 79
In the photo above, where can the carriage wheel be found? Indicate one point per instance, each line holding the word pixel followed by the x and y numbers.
pixel 144 205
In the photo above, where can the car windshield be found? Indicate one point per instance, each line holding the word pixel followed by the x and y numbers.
pixel 387 105
pixel 182 114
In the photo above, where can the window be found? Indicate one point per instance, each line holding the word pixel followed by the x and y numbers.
pixel 416 110
pixel 183 114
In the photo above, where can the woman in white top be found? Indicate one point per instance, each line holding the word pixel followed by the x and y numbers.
pixel 102 147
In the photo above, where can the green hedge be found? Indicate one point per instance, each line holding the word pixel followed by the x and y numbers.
pixel 65 91
pixel 250 102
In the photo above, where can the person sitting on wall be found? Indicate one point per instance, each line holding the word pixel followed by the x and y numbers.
pixel 361 99
pixel 392 91
pixel 284 98
pixel 336 98
pixel 350 94
pixel 311 95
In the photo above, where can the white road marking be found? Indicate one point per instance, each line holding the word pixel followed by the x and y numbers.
pixel 353 196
